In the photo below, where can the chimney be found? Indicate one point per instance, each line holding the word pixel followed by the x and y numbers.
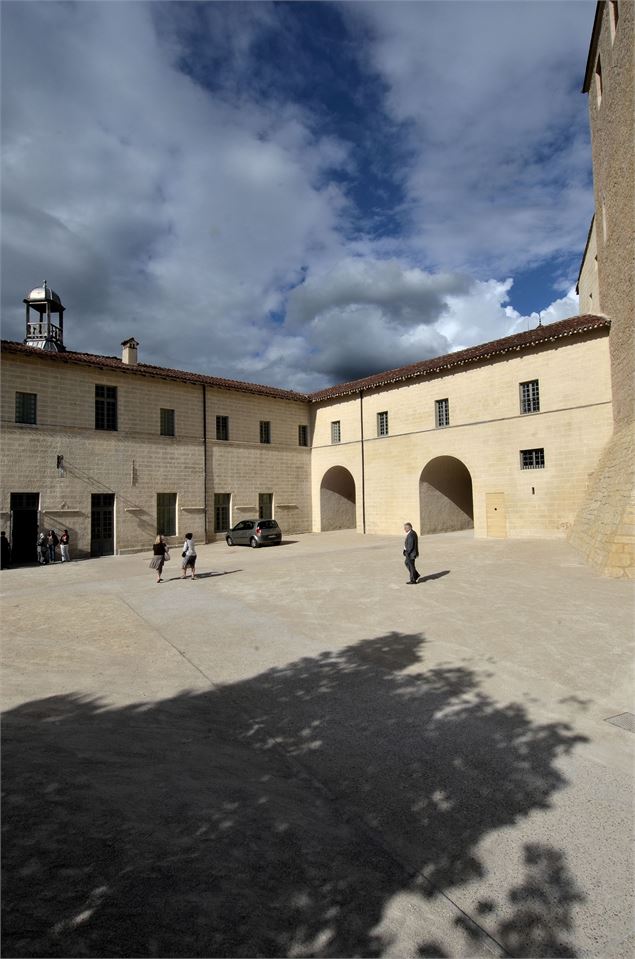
pixel 129 352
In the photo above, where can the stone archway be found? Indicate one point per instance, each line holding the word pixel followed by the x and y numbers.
pixel 445 496
pixel 337 500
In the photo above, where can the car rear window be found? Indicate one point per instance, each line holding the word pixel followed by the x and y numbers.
pixel 268 524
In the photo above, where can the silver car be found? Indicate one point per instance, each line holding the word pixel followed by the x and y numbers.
pixel 254 533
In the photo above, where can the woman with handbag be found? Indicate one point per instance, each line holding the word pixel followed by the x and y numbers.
pixel 161 556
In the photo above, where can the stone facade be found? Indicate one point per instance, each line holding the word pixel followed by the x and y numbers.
pixel 603 529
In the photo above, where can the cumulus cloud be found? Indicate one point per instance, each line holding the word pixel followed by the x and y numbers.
pixel 167 195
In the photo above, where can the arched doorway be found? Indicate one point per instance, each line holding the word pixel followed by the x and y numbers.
pixel 445 496
pixel 337 500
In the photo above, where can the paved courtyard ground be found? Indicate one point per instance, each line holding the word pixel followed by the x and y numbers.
pixel 299 755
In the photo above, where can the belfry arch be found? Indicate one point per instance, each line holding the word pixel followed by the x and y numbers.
pixel 337 500
pixel 445 496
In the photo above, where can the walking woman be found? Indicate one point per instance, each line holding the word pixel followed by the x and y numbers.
pixel 161 556
pixel 189 556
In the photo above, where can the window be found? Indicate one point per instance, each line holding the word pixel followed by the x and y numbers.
pixel 166 514
pixel 598 81
pixel 532 459
pixel 529 397
pixel 105 407
pixel 222 427
pixel 167 422
pixel 26 408
pixel 221 512
pixel 382 424
pixel 303 436
pixel 265 505
pixel 336 433
pixel 265 431
pixel 442 412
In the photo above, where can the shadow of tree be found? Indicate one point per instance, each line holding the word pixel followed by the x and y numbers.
pixel 276 816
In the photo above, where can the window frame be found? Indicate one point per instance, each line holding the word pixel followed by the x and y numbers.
pixel 22 408
pixel 106 404
pixel 529 397
pixel 537 459
pixel 442 412
pixel 165 422
pixel 218 506
pixel 336 432
pixel 222 427
pixel 168 509
pixel 382 423
pixel 265 432
pixel 303 434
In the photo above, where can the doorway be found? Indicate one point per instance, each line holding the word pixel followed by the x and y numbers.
pixel 24 527
pixel 102 524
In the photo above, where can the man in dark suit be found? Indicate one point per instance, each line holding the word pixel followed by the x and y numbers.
pixel 411 551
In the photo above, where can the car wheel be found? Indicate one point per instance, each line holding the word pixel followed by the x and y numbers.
pixel 229 541
pixel 253 542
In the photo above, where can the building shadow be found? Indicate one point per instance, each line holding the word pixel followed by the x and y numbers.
pixel 277 816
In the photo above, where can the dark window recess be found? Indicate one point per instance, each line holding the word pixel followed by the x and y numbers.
pixel 221 512
pixel 265 505
pixel 26 408
pixel 529 397
pixel 265 431
pixel 222 427
pixel 532 459
pixel 166 514
pixel 303 436
pixel 105 407
pixel 167 422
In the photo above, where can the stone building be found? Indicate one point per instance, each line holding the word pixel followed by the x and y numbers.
pixel 604 529
pixel 500 438
pixel 530 435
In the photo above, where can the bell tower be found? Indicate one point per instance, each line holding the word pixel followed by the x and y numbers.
pixel 45 331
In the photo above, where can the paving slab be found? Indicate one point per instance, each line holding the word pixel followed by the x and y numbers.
pixel 299 755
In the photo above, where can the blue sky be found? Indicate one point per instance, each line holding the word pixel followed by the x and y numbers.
pixel 294 193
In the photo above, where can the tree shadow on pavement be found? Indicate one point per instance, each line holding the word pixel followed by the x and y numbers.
pixel 277 816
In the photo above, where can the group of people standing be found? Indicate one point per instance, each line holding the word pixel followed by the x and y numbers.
pixel 47 544
pixel 161 555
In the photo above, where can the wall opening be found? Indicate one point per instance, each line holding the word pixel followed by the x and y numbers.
pixel 445 496
pixel 337 500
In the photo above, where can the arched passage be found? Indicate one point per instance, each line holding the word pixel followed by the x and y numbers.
pixel 337 500
pixel 445 496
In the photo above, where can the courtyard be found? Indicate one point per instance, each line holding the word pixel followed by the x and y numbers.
pixel 298 755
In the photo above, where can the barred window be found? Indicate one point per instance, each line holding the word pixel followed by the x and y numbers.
pixel 265 505
pixel 382 424
pixel 442 412
pixel 105 407
pixel 222 427
pixel 166 514
pixel 529 397
pixel 26 408
pixel 303 436
pixel 265 431
pixel 336 433
pixel 167 422
pixel 532 459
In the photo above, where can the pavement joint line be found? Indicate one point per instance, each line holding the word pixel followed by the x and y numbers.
pixel 348 817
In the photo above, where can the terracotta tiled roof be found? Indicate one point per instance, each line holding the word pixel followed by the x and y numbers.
pixel 486 351
pixel 160 372
pixel 516 343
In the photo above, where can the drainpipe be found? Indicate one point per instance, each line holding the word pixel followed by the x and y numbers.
pixel 204 463
pixel 361 424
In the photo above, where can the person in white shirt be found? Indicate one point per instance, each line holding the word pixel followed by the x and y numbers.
pixel 189 556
